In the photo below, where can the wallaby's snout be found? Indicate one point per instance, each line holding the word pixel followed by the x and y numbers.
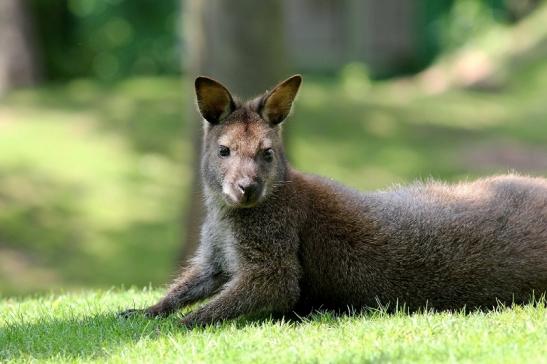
pixel 245 191
pixel 250 189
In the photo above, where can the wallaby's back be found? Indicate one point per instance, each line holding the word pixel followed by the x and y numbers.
pixel 428 244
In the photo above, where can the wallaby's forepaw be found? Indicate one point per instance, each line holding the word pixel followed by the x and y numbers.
pixel 132 312
pixel 158 310
pixel 152 312
pixel 191 321
pixel 197 319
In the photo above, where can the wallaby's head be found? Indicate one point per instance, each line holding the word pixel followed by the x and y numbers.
pixel 243 159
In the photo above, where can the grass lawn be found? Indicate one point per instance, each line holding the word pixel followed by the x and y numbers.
pixel 82 327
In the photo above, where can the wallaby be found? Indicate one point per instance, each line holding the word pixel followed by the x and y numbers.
pixel 276 240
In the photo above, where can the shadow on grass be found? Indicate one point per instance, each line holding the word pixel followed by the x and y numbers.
pixel 102 335
pixel 83 338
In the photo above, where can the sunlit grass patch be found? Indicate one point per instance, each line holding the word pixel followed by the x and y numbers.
pixel 80 195
pixel 82 327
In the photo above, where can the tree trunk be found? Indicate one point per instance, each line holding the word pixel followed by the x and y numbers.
pixel 18 65
pixel 241 44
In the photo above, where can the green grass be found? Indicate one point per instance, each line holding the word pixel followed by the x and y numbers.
pixel 82 327
pixel 91 184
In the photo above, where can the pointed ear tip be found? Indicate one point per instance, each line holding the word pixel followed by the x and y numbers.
pixel 297 79
pixel 201 79
pixel 198 82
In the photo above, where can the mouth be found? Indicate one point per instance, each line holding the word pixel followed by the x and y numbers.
pixel 238 199
pixel 240 203
pixel 243 205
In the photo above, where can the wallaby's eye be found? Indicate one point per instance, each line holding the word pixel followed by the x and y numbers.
pixel 268 154
pixel 223 151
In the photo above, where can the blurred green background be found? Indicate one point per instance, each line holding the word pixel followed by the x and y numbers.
pixel 98 133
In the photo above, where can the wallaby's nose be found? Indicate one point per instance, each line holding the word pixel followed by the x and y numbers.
pixel 248 188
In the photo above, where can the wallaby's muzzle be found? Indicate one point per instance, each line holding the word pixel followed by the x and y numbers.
pixel 245 192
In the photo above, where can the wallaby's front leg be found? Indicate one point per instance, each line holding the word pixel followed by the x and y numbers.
pixel 249 293
pixel 196 283
pixel 201 279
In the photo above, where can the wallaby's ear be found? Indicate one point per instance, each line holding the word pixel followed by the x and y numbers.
pixel 214 100
pixel 277 103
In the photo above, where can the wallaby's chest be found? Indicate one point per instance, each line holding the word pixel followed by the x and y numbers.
pixel 219 236
pixel 252 238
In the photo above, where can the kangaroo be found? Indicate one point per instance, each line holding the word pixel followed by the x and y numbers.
pixel 276 240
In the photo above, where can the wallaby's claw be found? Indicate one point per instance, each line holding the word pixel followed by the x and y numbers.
pixel 190 321
pixel 132 312
pixel 150 312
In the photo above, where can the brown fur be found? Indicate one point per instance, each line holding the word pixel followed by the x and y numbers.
pixel 307 242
